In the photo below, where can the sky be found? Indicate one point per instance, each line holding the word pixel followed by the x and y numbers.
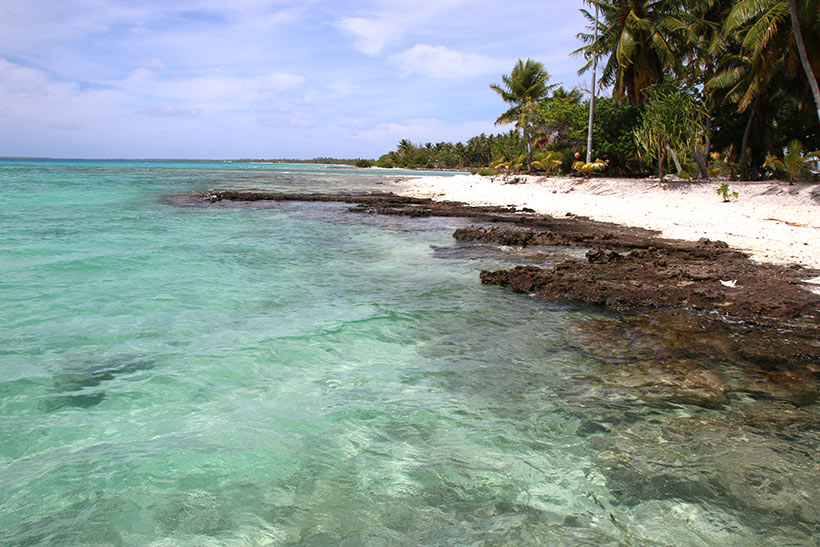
pixel 217 79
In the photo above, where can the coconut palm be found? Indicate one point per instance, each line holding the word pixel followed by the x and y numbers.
pixel 800 44
pixel 547 161
pixel 643 39
pixel 523 88
pixel 794 162
pixel 705 48
pixel 770 33
pixel 405 147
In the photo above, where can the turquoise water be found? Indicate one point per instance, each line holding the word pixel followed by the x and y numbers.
pixel 300 375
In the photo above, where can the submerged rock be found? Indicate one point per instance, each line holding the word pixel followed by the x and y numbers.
pixel 684 382
pixel 673 350
pixel 799 387
pixel 76 388
pixel 740 461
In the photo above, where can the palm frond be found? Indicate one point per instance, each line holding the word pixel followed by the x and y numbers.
pixel 744 11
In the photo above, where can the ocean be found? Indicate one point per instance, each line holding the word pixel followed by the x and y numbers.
pixel 296 374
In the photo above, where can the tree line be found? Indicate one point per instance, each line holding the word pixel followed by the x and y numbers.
pixel 696 87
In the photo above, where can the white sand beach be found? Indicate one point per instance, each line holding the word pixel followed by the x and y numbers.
pixel 771 221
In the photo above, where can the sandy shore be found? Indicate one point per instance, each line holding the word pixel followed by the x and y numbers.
pixel 771 221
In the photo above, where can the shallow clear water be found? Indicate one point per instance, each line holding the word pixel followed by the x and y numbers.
pixel 297 374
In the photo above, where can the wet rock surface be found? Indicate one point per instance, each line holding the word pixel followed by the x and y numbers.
pixel 704 277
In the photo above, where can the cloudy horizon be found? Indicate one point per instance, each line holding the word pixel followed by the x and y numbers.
pixel 204 79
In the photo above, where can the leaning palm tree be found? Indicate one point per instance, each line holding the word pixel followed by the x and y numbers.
pixel 523 88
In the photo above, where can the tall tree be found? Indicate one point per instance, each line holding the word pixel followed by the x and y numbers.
pixel 801 51
pixel 706 45
pixel 766 49
pixel 770 34
pixel 523 88
pixel 642 39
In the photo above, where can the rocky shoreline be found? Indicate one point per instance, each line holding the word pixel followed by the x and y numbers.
pixel 775 321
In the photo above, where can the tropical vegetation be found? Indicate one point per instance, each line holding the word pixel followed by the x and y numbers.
pixel 696 87
pixel 524 88
pixel 794 162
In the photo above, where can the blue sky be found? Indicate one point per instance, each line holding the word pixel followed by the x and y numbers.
pixel 264 79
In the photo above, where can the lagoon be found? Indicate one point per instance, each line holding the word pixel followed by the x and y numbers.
pixel 297 375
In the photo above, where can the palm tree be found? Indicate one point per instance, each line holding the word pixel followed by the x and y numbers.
pixel 801 49
pixel 705 48
pixel 523 88
pixel 643 40
pixel 770 34
pixel 794 162
pixel 765 46
pixel 405 147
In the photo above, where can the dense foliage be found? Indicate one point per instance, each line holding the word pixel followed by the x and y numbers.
pixel 697 87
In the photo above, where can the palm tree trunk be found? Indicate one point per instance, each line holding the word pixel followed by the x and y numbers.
pixel 744 145
pixel 529 152
pixel 700 160
pixel 661 162
pixel 804 59
pixel 592 93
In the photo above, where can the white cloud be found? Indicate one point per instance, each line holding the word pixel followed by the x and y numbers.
pixel 209 93
pixel 47 116
pixel 342 88
pixel 171 112
pixel 371 35
pixel 442 62
pixel 284 17
pixel 29 91
pixel 43 115
pixel 152 64
pixel 392 20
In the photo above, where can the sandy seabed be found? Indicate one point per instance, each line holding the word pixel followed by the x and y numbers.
pixel 771 221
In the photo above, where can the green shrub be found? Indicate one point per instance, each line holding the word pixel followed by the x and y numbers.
pixel 484 171
pixel 725 193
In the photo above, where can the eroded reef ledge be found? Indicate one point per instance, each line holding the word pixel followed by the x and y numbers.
pixel 627 269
